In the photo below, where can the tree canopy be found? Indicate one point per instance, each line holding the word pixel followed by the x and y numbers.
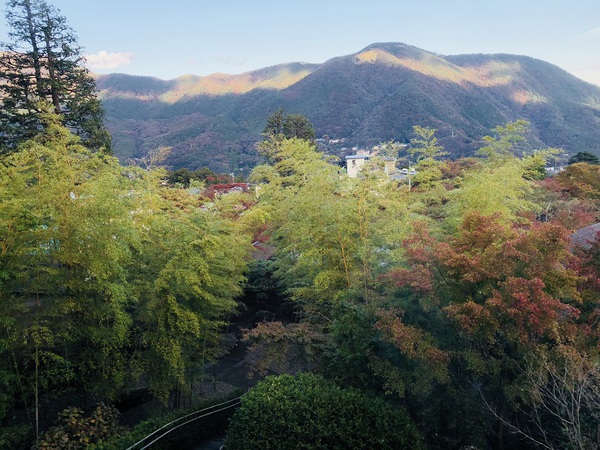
pixel 106 275
pixel 289 126
pixel 452 292
pixel 585 157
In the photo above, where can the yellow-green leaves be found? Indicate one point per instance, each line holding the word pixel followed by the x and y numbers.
pixel 506 141
pixel 425 145
pixel 108 259
pixel 499 190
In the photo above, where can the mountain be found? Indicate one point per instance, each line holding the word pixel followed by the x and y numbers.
pixel 365 98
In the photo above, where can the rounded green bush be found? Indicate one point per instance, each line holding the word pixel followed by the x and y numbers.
pixel 308 412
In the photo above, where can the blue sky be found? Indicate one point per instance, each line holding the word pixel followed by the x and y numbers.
pixel 167 39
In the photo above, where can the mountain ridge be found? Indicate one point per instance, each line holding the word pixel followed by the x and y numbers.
pixel 367 97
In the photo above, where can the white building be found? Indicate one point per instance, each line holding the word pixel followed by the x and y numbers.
pixel 355 162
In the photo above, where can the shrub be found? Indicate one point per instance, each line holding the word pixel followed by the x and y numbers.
pixel 78 432
pixel 308 412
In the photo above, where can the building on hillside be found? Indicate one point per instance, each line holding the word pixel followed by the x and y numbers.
pixel 553 170
pixel 355 162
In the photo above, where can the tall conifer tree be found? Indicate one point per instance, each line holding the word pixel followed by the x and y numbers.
pixel 43 63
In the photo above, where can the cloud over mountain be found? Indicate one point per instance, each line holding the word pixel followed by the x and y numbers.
pixel 108 61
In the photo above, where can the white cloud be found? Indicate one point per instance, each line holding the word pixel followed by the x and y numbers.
pixel 105 60
pixel 594 32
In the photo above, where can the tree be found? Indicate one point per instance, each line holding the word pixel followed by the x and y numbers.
pixel 425 144
pixel 581 180
pixel 106 276
pixel 491 189
pixel 507 141
pixel 490 297
pixel 584 157
pixel 67 238
pixel 563 404
pixel 186 280
pixel 326 227
pixel 43 63
pixel 280 124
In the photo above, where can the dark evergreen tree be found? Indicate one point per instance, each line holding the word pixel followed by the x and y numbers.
pixel 585 157
pixel 289 126
pixel 41 64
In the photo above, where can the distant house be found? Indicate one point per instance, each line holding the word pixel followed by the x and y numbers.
pixel 355 162
pixel 553 170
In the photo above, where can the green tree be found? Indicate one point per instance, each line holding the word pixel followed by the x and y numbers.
pixel 334 236
pixel 425 145
pixel 507 140
pixel 499 190
pixel 280 124
pixel 502 184
pixel 584 157
pixel 326 227
pixel 43 62
pixel 67 238
pixel 186 280
pixel 106 276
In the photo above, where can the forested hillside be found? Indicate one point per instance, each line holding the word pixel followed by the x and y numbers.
pixel 372 96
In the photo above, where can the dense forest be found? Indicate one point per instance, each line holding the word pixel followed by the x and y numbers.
pixel 455 308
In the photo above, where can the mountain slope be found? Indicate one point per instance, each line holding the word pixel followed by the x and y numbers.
pixel 371 96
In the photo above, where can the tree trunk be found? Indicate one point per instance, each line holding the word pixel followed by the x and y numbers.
pixel 34 49
pixel 51 71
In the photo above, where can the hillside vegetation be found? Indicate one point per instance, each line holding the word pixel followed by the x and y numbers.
pixel 456 295
pixel 455 305
pixel 372 96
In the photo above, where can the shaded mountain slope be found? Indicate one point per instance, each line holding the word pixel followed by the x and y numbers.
pixel 371 96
